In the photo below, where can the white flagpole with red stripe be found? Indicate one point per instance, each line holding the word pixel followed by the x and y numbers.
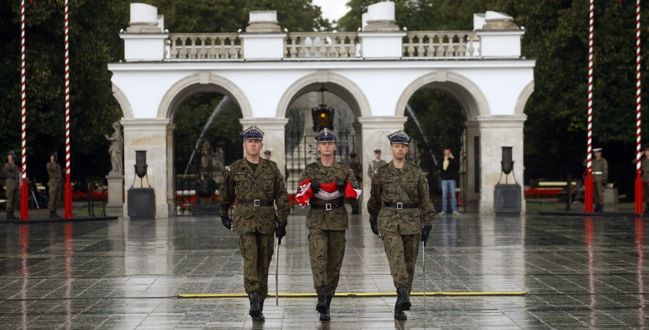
pixel 638 114
pixel 68 184
pixel 588 194
pixel 24 193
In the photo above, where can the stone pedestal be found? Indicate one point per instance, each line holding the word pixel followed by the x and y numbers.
pixel 155 136
pixel 115 203
pixel 495 133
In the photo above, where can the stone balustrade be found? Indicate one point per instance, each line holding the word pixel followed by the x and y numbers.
pixel 321 45
pixel 441 44
pixel 205 46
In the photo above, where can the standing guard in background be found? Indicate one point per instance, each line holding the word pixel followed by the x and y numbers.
pixel 375 163
pixel 254 189
pixel 54 183
pixel 401 213
pixel 644 166
pixel 599 169
pixel 11 175
pixel 324 185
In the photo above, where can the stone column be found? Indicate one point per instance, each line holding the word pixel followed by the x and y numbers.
pixel 472 162
pixel 152 135
pixel 273 129
pixel 497 132
pixel 115 193
pixel 375 132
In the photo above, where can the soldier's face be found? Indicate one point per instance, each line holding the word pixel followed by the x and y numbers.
pixel 598 154
pixel 646 153
pixel 326 148
pixel 399 151
pixel 10 158
pixel 252 147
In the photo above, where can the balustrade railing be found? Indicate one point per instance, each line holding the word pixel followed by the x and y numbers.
pixel 304 45
pixel 441 44
pixel 205 46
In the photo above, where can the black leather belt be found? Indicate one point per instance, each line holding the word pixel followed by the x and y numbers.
pixel 400 206
pixel 327 205
pixel 255 202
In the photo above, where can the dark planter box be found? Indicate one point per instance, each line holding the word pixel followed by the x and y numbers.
pixel 141 203
pixel 507 199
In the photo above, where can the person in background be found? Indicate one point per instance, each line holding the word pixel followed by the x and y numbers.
pixel 448 174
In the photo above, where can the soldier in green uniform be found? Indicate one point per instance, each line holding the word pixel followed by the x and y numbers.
pixel 644 166
pixel 375 164
pixel 401 213
pixel 11 174
pixel 327 180
pixel 54 185
pixel 357 169
pixel 254 189
pixel 599 169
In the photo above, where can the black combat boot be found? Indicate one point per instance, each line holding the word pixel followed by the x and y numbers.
pixel 255 299
pixel 326 316
pixel 403 299
pixel 598 208
pixel 321 306
pixel 10 216
pixel 399 314
pixel 261 317
pixel 53 215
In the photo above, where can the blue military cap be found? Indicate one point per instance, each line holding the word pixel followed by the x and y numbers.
pixel 252 133
pixel 399 137
pixel 326 136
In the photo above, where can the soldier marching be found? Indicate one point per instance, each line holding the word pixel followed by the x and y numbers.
pixel 401 213
pixel 324 185
pixel 255 191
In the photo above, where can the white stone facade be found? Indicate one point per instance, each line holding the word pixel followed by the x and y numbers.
pixel 377 85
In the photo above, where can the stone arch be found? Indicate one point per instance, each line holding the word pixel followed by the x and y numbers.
pixel 523 97
pixel 201 82
pixel 341 86
pixel 123 102
pixel 463 89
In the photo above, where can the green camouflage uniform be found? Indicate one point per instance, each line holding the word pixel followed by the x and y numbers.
pixel 255 224
pixel 327 228
pixel 599 169
pixel 10 174
pixel 54 185
pixel 401 228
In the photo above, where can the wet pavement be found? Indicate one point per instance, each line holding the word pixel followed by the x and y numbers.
pixel 578 272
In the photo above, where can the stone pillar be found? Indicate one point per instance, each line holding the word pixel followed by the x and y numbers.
pixel 375 132
pixel 263 39
pixel 380 38
pixel 472 163
pixel 145 37
pixel 152 135
pixel 273 129
pixel 115 193
pixel 497 132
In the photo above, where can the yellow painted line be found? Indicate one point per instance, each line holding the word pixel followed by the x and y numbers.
pixel 362 294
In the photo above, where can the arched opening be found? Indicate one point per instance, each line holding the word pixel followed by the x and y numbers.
pixel 205 121
pixel 304 106
pixel 442 110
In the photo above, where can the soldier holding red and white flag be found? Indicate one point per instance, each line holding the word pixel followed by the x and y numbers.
pixel 324 186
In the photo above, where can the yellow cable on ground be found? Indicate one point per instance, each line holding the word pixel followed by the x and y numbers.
pixel 363 294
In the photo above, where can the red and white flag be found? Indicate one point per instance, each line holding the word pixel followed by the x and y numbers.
pixel 351 192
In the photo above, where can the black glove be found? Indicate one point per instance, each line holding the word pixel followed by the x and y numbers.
pixel 341 186
pixel 227 222
pixel 280 232
pixel 375 226
pixel 315 186
pixel 425 232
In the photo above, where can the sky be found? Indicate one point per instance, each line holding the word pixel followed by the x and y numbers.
pixel 332 9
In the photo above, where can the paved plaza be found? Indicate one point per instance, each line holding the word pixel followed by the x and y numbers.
pixel 578 272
